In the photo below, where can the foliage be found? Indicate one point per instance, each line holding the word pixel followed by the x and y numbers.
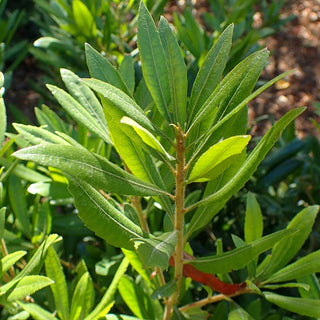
pixel 133 164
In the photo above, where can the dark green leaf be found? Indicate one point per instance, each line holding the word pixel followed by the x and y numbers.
pixel 167 290
pixel 127 72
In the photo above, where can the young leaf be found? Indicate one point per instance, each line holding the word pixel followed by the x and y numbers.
pixel 80 113
pixel 89 167
pixel 9 260
pixel 210 72
pixel 219 198
pixel 83 298
pixel 156 251
pixel 147 137
pixel 100 68
pixel 206 167
pixel 99 215
pixel 106 301
pixel 253 226
pixel 36 311
pixel 303 267
pixel 240 257
pixel 36 135
pixel 285 250
pixel 304 307
pixel 84 19
pixel 24 287
pixel 177 72
pixel 153 60
pixel 59 288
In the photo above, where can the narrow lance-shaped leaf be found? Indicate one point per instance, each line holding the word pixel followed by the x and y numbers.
pixel 177 72
pixel 100 68
pixel 86 98
pixel 3 115
pixel 8 261
pixel 304 307
pixel 156 251
pixel 284 251
pixel 240 257
pixel 153 60
pixel 253 226
pixel 37 312
pixel 89 167
pixel 127 72
pixel 210 72
pixel 79 113
pixel 219 198
pixel 301 268
pixel 101 217
pixel 206 168
pixel 59 288
pixel 147 137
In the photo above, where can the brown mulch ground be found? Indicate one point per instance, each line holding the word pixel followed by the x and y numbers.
pixel 296 46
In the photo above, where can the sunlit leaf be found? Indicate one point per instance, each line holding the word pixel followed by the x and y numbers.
pixel 253 221
pixel 37 312
pixel 8 261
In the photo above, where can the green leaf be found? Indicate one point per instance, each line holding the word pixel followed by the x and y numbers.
pixel 177 72
pixel 3 115
pixel 114 97
pixel 83 19
pixel 285 250
pixel 83 298
pixel 253 226
pixel 8 261
pixel 101 217
pixel 220 197
pixel 156 251
pixel 147 137
pixel 19 205
pixel 153 60
pixel 2 215
pixel 119 317
pixel 127 72
pixel 238 313
pixel 59 288
pixel 303 286
pixel 36 311
pixel 100 68
pixel 240 257
pixel 36 135
pixel 88 101
pixel 300 268
pixel 89 167
pixel 80 113
pixel 304 307
pixel 210 72
pixel 138 300
pixel 313 282
pixel 207 167
pixel 24 287
pixel 165 291
pixel 106 301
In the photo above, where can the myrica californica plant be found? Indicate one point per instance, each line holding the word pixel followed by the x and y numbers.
pixel 171 139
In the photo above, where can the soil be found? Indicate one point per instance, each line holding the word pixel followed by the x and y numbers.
pixel 296 46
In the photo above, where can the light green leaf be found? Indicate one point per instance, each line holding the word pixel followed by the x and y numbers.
pixel 100 68
pixel 83 19
pixel 101 217
pixel 59 288
pixel 87 99
pixel 237 313
pixel 37 312
pixel 106 301
pixel 206 167
pixel 253 225
pixel 83 298
pixel 220 197
pixel 36 135
pixel 285 250
pixel 303 286
pixel 3 115
pixel 80 113
pixel 2 215
pixel 116 98
pixel 153 60
pixel 25 286
pixel 210 72
pixel 304 307
pixel 147 137
pixel 156 251
pixel 300 268
pixel 240 257
pixel 8 261
pixel 120 317
pixel 89 167
pixel 313 282
pixel 177 72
